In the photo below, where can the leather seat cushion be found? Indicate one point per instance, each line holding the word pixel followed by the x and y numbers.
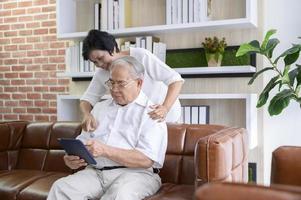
pixel 39 189
pixel 12 182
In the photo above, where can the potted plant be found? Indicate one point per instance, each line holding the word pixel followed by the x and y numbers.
pixel 287 77
pixel 214 50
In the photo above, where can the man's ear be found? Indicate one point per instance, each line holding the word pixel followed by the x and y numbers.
pixel 140 82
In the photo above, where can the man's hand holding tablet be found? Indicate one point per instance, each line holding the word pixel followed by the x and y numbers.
pixel 78 155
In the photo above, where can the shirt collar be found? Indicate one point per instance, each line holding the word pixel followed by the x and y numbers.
pixel 140 100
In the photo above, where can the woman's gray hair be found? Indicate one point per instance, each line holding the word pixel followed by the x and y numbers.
pixel 135 68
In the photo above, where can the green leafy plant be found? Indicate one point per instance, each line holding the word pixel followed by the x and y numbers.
pixel 214 45
pixel 288 80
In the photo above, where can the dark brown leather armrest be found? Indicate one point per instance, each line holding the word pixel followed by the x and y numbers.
pixel 286 166
pixel 236 191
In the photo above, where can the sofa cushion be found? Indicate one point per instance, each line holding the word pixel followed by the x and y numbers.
pixel 39 189
pixel 13 182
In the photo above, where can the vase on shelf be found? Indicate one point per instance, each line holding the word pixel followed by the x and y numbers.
pixel 214 59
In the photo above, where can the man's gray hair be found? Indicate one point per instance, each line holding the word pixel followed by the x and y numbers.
pixel 135 68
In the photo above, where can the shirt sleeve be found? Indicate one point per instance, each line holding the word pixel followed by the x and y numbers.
pixel 95 90
pixel 158 70
pixel 153 142
pixel 84 136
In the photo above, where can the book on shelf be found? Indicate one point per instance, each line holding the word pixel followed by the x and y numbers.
pixel 168 11
pixel 190 11
pixel 174 11
pixel 81 58
pixel 195 114
pixel 104 15
pixel 149 42
pixel 159 50
pixel 97 16
pixel 125 13
pixel 115 14
pixel 74 64
pixel 143 43
pixel 185 11
pixel 196 11
pixel 110 15
pixel 138 42
pixel 179 11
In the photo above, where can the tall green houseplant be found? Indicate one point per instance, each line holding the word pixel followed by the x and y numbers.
pixel 287 78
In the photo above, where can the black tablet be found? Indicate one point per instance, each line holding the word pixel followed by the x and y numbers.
pixel 77 148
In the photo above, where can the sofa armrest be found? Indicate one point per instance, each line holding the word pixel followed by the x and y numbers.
pixel 222 156
pixel 235 191
pixel 286 166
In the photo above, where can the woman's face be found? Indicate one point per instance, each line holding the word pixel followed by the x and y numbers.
pixel 101 58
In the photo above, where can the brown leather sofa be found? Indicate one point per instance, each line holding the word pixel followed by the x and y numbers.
pixel 31 158
pixel 285 181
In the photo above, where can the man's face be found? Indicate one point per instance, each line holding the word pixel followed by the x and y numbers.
pixel 101 58
pixel 124 89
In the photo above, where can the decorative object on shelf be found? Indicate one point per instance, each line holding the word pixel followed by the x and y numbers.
pixel 289 78
pixel 209 9
pixel 214 50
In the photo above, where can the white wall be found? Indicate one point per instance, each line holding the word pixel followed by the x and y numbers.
pixel 285 129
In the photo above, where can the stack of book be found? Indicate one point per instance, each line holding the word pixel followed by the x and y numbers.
pixel 150 43
pixel 112 14
pixel 195 114
pixel 186 11
pixel 75 61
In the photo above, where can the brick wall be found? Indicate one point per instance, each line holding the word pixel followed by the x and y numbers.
pixel 30 57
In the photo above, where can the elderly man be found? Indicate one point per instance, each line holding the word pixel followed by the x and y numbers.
pixel 128 145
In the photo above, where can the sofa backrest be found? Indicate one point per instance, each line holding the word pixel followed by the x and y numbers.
pixel 221 152
pixel 11 134
pixel 40 150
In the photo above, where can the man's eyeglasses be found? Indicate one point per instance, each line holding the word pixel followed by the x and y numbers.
pixel 118 84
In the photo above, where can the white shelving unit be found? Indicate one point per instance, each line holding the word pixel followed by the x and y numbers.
pixel 182 71
pixel 68 109
pixel 71 26
pixel 75 18
pixel 149 30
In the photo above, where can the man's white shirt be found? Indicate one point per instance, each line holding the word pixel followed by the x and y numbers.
pixel 129 127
